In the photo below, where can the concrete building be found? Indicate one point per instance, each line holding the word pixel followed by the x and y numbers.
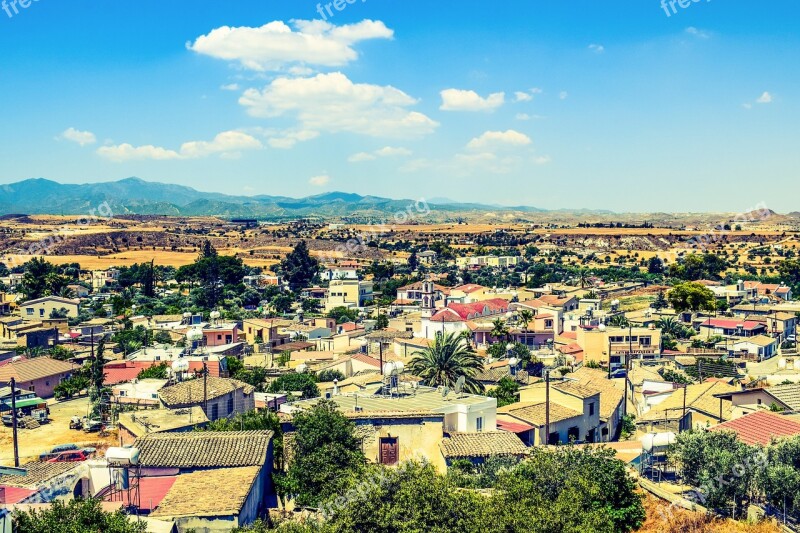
pixel 43 308
pixel 224 397
pixel 348 293
pixel 39 375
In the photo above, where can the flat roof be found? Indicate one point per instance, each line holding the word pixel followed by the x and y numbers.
pixel 426 399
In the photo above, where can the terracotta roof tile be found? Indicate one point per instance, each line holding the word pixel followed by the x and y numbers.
pixel 204 449
pixel 488 444
pixel 760 427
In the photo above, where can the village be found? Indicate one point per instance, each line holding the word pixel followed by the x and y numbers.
pixel 106 396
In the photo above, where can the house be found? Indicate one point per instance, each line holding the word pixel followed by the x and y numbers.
pixel 135 424
pixel 528 420
pixel 46 482
pixel 759 347
pixel 415 292
pixel 729 327
pixel 25 400
pixel 350 293
pixel 220 397
pixel 492 261
pixel 598 342
pixel 39 375
pixel 221 334
pixel 574 396
pixel 760 427
pixel 412 422
pixel 221 480
pixel 691 406
pixel 265 331
pixel 477 447
pixel 427 257
pixel 47 306
pixel 455 318
pixel 102 279
pixel 138 392
pixel 784 397
pixel 333 273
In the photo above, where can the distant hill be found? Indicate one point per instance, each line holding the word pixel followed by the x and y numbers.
pixel 137 196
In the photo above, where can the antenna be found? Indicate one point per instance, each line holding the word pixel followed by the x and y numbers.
pixel 460 385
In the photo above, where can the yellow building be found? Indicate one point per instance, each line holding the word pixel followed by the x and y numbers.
pixel 43 308
pixel 348 293
pixel 598 343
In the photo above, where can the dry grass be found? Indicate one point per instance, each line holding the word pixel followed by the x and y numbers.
pixel 659 520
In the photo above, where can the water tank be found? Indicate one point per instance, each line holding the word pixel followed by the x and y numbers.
pixel 393 368
pixel 302 368
pixel 194 335
pixel 657 440
pixel 214 315
pixel 122 456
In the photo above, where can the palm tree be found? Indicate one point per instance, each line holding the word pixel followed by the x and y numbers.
pixel 525 317
pixel 66 292
pixel 499 330
pixel 583 277
pixel 670 326
pixel 448 359
pixel 618 321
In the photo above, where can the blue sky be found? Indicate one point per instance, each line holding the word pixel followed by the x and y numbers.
pixel 580 104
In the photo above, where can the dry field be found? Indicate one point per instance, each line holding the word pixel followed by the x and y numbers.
pixel 36 441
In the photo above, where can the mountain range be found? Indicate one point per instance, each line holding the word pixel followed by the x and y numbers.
pixel 136 196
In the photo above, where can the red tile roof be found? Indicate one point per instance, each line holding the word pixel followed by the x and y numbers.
pixel 151 491
pixel 491 307
pixel 360 357
pixel 12 495
pixel 123 371
pixel 512 425
pixel 760 427
pixel 469 288
pixel 731 324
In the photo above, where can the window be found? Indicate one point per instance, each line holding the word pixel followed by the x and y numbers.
pixel 645 341
pixel 230 404
pixel 548 324
pixel 591 409
pixel 29 311
pixel 215 411
pixel 219 337
pixel 479 424
pixel 41 312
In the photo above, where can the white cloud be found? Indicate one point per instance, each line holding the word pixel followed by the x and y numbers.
pixel 332 103
pixel 521 96
pixel 276 45
pixel 386 151
pixel 536 90
pixel 526 116
pixel 391 151
pixel 128 152
pixel 700 34
pixel 461 100
pixel 747 106
pixel 563 95
pixel 542 160
pixel 288 139
pixel 597 48
pixel 81 137
pixel 360 157
pixel 228 144
pixel 765 98
pixel 230 87
pixel 320 181
pixel 496 139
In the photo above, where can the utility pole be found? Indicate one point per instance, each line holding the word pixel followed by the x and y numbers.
pixel 685 386
pixel 205 387
pixel 14 420
pixel 547 408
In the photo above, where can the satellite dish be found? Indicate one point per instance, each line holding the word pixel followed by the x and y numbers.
pixel 445 391
pixel 460 384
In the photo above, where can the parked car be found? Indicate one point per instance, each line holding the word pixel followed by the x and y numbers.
pixel 61 448
pixel 8 418
pixel 791 338
pixel 621 373
pixel 73 456
pixel 90 425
